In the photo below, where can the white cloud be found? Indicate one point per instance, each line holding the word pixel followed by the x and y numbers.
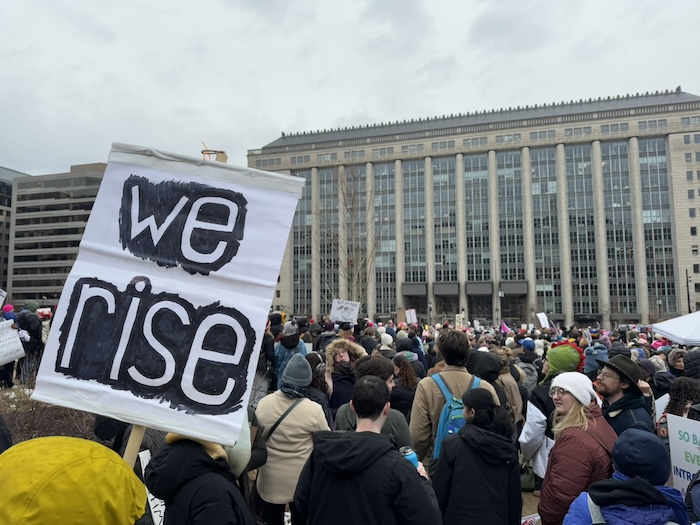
pixel 79 75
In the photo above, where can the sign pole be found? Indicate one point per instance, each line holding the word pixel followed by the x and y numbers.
pixel 134 444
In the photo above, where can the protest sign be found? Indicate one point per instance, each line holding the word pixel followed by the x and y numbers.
pixel 166 304
pixel 11 347
pixel 3 296
pixel 660 405
pixel 157 505
pixel 684 440
pixel 543 320
pixel 411 317
pixel 345 311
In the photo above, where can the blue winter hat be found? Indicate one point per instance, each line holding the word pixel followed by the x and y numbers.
pixel 528 344
pixel 597 351
pixel 640 453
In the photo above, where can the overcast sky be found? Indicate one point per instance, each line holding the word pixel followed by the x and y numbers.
pixel 78 75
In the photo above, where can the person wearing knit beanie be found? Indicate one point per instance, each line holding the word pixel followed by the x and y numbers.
pixel 597 351
pixel 562 358
pixel 297 372
pixel 618 348
pixel 691 364
pixel 577 384
pixel 606 341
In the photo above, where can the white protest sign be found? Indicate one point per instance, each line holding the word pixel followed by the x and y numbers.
pixel 660 405
pixel 3 296
pixel 684 440
pixel 411 317
pixel 345 311
pixel 11 347
pixel 542 318
pixel 167 301
pixel 157 505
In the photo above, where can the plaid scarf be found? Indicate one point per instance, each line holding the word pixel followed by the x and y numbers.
pixel 293 391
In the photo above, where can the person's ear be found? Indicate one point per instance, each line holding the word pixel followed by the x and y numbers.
pixel 387 407
pixel 352 407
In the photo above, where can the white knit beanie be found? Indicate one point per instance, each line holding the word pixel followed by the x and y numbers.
pixel 578 384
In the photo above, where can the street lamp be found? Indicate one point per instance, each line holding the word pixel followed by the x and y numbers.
pixel 659 302
pixel 687 288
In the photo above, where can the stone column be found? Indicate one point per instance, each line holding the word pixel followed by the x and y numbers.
pixel 528 236
pixel 315 248
pixel 603 277
pixel 430 235
pixel 461 232
pixel 371 242
pixel 640 266
pixel 567 299
pixel 494 240
pixel 400 266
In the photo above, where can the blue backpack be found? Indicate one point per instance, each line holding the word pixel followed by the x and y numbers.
pixel 452 415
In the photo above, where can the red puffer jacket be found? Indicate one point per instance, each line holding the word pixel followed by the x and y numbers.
pixel 578 459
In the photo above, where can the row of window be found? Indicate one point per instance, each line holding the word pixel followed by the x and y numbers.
pixel 614 128
pixel 301 159
pixel 652 124
pixel 265 163
pixel 689 157
pixel 696 139
pixel 690 121
pixel 577 132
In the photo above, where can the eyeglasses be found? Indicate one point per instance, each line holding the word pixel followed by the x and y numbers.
pixel 556 391
pixel 605 375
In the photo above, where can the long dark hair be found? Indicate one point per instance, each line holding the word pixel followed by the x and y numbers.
pixel 406 374
pixel 318 369
pixel 683 390
pixel 487 414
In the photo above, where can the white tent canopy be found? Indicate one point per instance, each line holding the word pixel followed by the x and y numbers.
pixel 683 330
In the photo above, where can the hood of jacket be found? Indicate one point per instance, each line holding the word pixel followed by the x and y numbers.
pixel 635 500
pixel 629 400
pixel 494 448
pixel 349 452
pixel 183 460
pixel 485 365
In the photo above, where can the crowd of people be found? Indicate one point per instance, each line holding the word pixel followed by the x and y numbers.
pixel 398 423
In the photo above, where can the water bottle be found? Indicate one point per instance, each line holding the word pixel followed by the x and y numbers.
pixel 410 455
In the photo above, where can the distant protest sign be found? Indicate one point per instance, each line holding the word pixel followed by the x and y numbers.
pixel 684 440
pixel 166 304
pixel 345 311
pixel 411 317
pixel 11 347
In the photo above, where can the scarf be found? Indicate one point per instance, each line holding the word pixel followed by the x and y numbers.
pixel 293 391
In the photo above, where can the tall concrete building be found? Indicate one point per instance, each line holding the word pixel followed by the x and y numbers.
pixel 49 214
pixel 586 210
pixel 7 177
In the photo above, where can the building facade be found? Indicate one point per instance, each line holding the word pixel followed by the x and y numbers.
pixel 7 177
pixel 49 214
pixel 585 210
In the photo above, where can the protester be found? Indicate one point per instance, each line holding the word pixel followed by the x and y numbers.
pixel 69 481
pixel 266 365
pixel 5 436
pixel 582 448
pixel 453 345
pixel 624 405
pixel 325 338
pixel 537 437
pixel 684 393
pixel 477 477
pixel 341 356
pixel 387 346
pixel 289 419
pixel 289 345
pixel 317 391
pixel 405 347
pixel 195 480
pixel 359 477
pixel 527 362
pixel 369 341
pixel 405 383
pixel 395 425
pixel 28 320
pixel 636 494
pixel 676 362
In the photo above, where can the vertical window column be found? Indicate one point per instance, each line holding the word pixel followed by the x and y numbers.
pixel 601 241
pixel 400 251
pixel 461 234
pixel 429 232
pixel 640 265
pixel 565 243
pixel 371 243
pixel 494 237
pixel 342 235
pixel 315 247
pixel 528 235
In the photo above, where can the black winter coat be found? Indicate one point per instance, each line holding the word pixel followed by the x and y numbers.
pixel 359 477
pixel 477 478
pixel 197 489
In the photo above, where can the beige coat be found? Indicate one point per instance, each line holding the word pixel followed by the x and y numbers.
pixel 290 445
pixel 428 404
pixel 515 400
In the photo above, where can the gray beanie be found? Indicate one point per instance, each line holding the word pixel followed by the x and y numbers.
pixel 297 372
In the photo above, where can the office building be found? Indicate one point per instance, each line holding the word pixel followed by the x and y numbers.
pixel 7 176
pixel 49 214
pixel 586 210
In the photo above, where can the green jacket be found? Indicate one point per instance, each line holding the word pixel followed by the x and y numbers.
pixel 395 424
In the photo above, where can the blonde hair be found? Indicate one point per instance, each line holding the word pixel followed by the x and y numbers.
pixel 354 351
pixel 578 417
pixel 504 355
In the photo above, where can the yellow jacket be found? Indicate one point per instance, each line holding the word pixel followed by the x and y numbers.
pixel 69 481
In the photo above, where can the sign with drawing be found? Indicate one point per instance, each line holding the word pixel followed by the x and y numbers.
pixel 345 311
pixel 163 310
pixel 11 347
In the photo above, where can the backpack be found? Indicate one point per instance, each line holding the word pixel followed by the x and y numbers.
pixel 452 415
pixel 693 507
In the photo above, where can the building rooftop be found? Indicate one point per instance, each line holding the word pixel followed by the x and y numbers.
pixel 8 175
pixel 553 110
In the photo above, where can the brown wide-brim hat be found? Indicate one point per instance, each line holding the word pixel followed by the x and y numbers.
pixel 627 369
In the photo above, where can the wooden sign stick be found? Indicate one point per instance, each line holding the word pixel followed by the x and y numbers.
pixel 134 444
